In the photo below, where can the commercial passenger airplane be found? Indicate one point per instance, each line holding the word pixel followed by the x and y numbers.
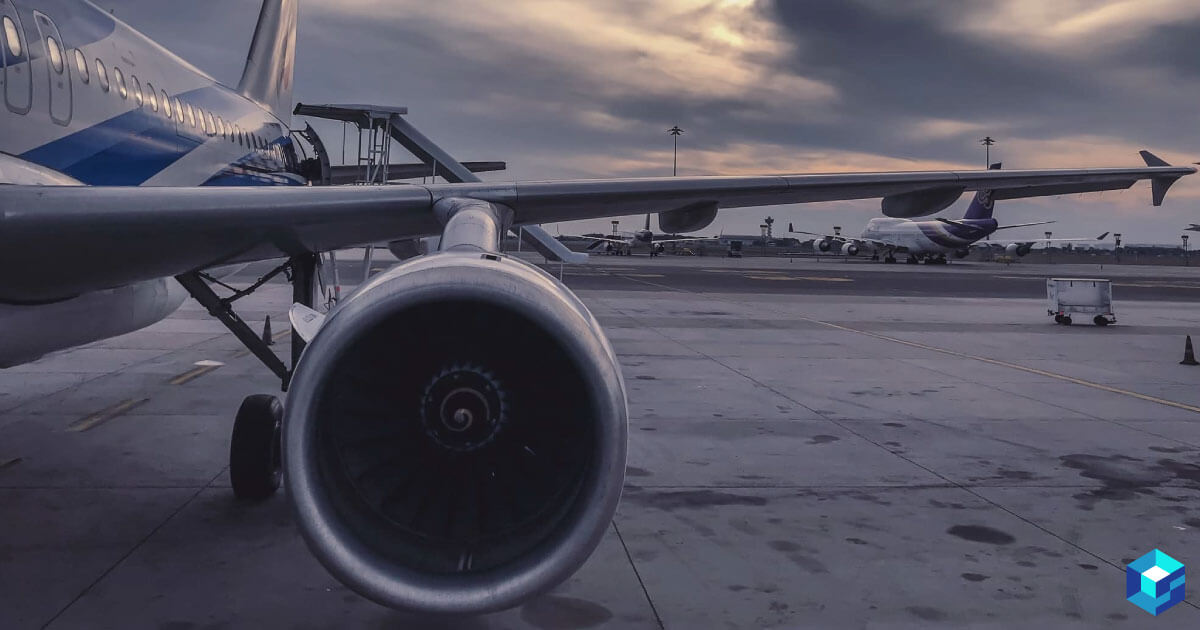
pixel 627 240
pixel 931 241
pixel 455 434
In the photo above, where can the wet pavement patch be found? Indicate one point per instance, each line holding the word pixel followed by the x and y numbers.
pixel 554 611
pixel 981 534
pixel 974 577
pixel 823 439
pixel 634 471
pixel 927 613
pixel 1125 477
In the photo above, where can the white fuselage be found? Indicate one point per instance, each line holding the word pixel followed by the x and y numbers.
pixel 916 237
pixel 87 100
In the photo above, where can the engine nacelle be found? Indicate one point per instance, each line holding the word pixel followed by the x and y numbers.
pixel 849 249
pixel 455 435
pixel 824 244
pixel 1018 249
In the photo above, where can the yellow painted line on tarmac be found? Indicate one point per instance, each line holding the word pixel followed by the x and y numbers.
pixel 276 337
pixel 1016 366
pixel 1155 285
pixel 104 415
pixel 202 368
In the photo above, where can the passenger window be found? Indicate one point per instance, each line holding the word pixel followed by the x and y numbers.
pixel 12 36
pixel 211 128
pixel 191 115
pixel 178 110
pixel 220 126
pixel 56 55
pixel 151 96
pixel 119 79
pixel 237 132
pixel 101 75
pixel 81 66
pixel 137 90
pixel 166 101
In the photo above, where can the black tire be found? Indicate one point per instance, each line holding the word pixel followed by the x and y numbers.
pixel 1066 320
pixel 255 464
pixel 1101 320
pixel 1058 319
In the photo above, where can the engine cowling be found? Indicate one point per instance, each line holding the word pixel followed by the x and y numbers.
pixel 455 435
pixel 1018 249
pixel 849 249
pixel 824 244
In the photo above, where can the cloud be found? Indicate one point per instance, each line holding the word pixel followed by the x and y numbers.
pixel 588 89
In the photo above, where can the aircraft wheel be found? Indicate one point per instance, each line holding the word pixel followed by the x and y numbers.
pixel 1101 320
pixel 255 465
pixel 1066 320
pixel 889 259
pixel 912 260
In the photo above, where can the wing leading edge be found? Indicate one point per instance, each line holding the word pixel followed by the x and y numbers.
pixel 108 236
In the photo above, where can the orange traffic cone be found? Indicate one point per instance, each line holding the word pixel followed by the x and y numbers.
pixel 1189 357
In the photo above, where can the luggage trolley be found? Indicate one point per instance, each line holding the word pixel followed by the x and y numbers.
pixel 1080 296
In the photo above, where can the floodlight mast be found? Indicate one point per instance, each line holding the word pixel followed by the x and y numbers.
pixel 675 132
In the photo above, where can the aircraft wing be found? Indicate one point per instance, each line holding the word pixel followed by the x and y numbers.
pixel 1034 241
pixel 606 239
pixel 102 237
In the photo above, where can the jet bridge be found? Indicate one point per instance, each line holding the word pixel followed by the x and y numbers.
pixel 377 126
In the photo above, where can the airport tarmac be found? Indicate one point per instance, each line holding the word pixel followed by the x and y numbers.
pixel 803 453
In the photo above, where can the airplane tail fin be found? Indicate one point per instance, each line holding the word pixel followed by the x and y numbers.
pixel 647 221
pixel 267 78
pixel 981 206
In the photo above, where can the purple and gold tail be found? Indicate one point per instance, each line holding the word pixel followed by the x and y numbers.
pixel 981 206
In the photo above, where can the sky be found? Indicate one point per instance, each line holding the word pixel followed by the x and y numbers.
pixel 579 89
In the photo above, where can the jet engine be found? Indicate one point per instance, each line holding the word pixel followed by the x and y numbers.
pixel 824 244
pixel 849 249
pixel 455 435
pixel 1018 249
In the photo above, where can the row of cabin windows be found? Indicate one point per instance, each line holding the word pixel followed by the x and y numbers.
pixel 184 113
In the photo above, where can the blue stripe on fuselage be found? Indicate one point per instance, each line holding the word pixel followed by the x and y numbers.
pixel 130 148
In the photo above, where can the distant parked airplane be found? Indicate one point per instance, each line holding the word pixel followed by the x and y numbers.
pixel 623 242
pixel 932 240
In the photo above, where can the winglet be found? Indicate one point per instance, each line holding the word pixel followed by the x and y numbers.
pixel 1151 159
pixel 1158 185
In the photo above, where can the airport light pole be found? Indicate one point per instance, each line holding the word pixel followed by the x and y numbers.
pixel 675 132
pixel 1117 247
pixel 1185 251
pixel 987 143
pixel 1049 254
